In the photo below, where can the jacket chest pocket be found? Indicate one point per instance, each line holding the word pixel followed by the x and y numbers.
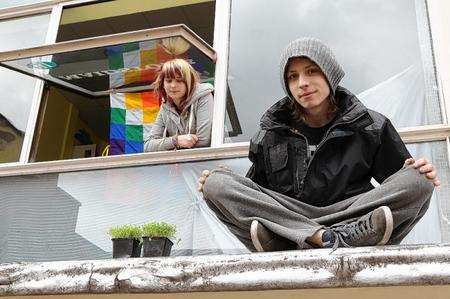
pixel 280 176
pixel 278 157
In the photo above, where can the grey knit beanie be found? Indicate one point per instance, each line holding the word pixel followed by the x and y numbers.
pixel 318 52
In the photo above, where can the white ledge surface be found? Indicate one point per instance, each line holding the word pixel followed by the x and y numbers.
pixel 319 268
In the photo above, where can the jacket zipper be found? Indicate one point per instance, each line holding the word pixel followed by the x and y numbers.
pixel 298 182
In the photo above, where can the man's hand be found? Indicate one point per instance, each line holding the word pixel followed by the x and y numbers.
pixel 202 180
pixel 207 173
pixel 425 168
pixel 187 141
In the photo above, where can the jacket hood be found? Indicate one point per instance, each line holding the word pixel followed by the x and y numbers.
pixel 200 90
pixel 278 117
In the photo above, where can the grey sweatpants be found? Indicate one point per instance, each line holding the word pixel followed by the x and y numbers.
pixel 237 200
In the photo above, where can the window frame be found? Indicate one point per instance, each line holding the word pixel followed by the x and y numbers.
pixel 130 160
pixel 26 10
pixel 438 16
pixel 221 45
pixel 438 13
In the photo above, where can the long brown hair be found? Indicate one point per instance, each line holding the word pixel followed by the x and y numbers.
pixel 177 68
pixel 298 112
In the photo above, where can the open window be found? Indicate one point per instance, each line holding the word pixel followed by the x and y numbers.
pixel 85 76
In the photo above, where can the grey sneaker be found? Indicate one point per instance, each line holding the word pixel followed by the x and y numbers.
pixel 374 228
pixel 265 240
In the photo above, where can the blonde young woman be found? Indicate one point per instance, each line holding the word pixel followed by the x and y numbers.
pixel 313 158
pixel 185 117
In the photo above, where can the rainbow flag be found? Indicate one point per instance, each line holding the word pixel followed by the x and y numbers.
pixel 132 115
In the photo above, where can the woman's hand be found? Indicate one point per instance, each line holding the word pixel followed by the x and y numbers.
pixel 187 141
pixel 425 168
pixel 202 180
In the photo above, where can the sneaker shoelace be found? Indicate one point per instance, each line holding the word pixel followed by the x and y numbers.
pixel 351 231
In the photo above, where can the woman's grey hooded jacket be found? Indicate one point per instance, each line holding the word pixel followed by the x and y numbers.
pixel 196 118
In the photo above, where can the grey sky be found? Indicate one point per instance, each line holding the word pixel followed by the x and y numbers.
pixel 372 39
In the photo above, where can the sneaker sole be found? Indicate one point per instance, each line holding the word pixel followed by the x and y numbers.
pixel 254 236
pixel 389 225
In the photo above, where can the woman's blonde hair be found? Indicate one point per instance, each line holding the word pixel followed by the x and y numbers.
pixel 177 68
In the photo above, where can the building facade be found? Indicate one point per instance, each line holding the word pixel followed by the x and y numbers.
pixel 57 204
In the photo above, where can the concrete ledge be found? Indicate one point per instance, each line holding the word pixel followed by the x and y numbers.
pixel 420 265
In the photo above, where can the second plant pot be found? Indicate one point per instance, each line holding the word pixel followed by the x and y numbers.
pixel 156 246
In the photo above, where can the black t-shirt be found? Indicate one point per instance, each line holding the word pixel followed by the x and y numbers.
pixel 313 135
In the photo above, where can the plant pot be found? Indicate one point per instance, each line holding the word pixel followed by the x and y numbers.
pixel 126 247
pixel 156 246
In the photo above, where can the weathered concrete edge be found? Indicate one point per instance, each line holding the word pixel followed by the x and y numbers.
pixel 320 268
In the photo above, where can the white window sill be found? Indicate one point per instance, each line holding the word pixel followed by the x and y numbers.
pixel 418 265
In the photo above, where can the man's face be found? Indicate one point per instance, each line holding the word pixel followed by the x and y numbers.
pixel 307 84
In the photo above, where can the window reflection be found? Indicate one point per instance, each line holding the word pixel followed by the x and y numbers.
pixel 96 71
pixel 17 89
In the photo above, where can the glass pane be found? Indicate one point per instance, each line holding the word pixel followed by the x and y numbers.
pixel 434 226
pixel 95 71
pixel 23 32
pixel 12 3
pixel 67 216
pixel 384 48
pixel 17 89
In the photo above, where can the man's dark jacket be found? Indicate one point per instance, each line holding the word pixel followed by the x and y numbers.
pixel 359 145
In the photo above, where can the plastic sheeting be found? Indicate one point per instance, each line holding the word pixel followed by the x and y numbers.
pixel 400 98
pixel 153 193
pixel 66 216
